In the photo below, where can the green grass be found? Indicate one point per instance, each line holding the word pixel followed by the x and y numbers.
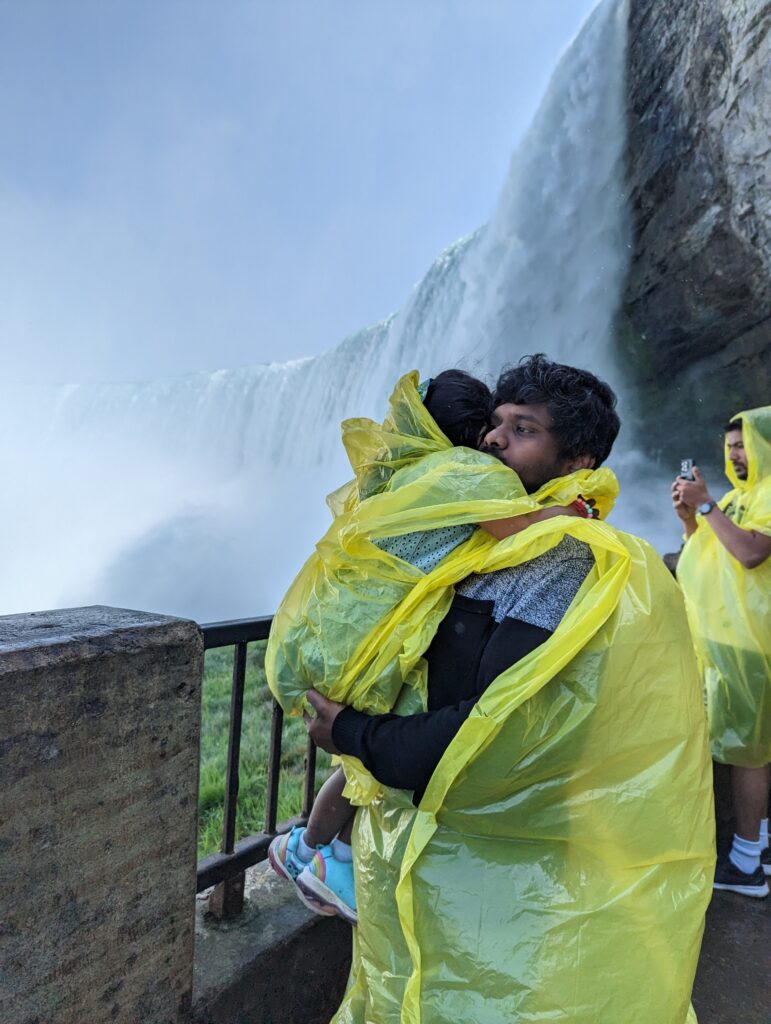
pixel 255 740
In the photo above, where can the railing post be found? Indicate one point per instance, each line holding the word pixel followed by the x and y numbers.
pixel 274 769
pixel 227 899
pixel 225 871
pixel 309 786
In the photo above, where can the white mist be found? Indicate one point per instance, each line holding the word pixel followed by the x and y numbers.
pixel 202 495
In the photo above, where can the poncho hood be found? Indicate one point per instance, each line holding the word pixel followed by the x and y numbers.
pixel 756 433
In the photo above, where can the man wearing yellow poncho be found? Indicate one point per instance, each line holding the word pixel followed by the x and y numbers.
pixel 538 844
pixel 725 572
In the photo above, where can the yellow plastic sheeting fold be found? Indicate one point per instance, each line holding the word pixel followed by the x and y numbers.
pixel 729 609
pixel 560 863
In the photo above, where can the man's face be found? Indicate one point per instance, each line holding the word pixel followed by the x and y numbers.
pixel 520 436
pixel 736 453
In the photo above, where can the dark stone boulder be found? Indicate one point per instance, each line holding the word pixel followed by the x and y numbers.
pixel 696 322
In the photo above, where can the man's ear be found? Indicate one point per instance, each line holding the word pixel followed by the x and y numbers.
pixel 581 462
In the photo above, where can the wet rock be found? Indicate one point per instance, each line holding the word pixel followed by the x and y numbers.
pixel 697 311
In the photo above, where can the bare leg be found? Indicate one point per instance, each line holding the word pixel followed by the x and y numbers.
pixel 750 795
pixel 331 813
pixel 344 835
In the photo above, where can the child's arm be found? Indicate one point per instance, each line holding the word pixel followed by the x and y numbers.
pixel 502 528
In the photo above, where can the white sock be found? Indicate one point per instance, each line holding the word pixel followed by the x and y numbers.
pixel 342 851
pixel 304 852
pixel 764 833
pixel 745 855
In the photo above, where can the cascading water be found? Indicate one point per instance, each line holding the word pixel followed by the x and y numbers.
pixel 201 495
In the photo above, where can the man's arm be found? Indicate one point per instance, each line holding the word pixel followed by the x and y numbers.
pixel 400 751
pixel 403 751
pixel 748 547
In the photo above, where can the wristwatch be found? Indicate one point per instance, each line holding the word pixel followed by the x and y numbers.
pixel 706 508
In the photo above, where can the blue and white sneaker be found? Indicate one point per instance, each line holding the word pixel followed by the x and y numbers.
pixel 328 883
pixel 283 858
pixel 282 854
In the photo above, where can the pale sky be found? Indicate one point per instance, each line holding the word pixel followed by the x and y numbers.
pixel 190 185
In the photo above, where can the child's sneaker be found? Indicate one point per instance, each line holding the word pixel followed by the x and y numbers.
pixel 329 883
pixel 285 861
pixel 765 861
pixel 283 857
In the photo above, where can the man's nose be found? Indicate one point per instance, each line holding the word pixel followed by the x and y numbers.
pixel 494 438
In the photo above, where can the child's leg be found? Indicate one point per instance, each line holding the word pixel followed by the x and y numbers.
pixel 326 883
pixel 344 835
pixel 331 814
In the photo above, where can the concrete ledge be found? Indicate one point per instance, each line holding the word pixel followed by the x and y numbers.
pixel 98 813
pixel 277 964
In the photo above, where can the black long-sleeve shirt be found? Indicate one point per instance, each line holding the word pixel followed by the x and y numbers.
pixel 469 651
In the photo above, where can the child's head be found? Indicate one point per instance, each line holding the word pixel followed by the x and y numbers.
pixel 461 406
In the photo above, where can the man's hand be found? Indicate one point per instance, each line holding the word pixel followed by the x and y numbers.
pixel 749 547
pixel 685 512
pixel 693 492
pixel 320 727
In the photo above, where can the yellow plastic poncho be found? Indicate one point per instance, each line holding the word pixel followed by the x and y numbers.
pixel 356 619
pixel 729 609
pixel 560 862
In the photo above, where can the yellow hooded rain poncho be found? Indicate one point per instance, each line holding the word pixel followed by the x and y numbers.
pixel 729 608
pixel 560 863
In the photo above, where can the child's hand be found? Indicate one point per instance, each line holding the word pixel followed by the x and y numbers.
pixel 502 528
pixel 573 509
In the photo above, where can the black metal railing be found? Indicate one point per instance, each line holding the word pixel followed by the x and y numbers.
pixel 226 869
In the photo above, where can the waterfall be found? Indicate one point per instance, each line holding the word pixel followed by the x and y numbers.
pixel 201 495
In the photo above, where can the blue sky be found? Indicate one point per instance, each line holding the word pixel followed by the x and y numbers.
pixel 190 185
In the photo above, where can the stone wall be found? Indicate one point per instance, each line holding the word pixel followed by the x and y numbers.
pixel 98 806
pixel 697 312
pixel 278 963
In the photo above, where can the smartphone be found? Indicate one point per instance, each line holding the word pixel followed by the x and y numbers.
pixel 686 469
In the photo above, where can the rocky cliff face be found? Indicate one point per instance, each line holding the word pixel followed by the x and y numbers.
pixel 697 312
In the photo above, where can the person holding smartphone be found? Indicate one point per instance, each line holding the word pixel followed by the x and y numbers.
pixel 725 573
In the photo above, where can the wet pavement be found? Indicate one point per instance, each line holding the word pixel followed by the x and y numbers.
pixel 733 982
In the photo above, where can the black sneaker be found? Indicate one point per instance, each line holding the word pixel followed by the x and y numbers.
pixel 765 860
pixel 729 877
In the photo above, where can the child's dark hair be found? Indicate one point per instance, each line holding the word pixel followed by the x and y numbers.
pixel 461 406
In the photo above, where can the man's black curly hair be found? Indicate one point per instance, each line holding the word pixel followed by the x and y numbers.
pixel 582 406
pixel 461 406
